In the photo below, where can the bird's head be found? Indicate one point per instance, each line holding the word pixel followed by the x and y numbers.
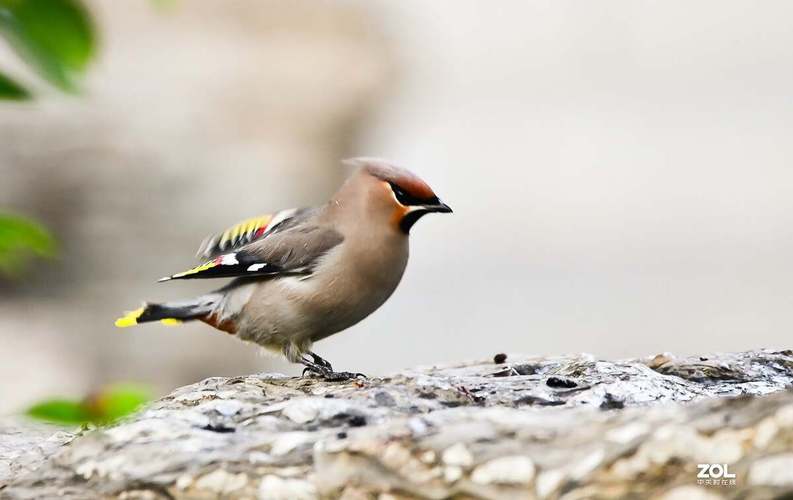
pixel 396 192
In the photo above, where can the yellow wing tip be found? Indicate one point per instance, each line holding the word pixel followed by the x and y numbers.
pixel 171 321
pixel 129 319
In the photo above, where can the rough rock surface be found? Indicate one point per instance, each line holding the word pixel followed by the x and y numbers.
pixel 567 427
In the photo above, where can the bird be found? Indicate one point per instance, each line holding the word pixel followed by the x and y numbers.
pixel 302 275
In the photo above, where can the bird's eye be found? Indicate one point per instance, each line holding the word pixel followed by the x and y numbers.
pixel 402 196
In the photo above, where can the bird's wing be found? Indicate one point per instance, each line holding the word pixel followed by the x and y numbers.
pixel 248 231
pixel 293 250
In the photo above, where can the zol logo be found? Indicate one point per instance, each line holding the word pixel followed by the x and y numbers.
pixel 715 475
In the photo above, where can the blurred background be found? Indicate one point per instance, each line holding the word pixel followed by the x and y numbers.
pixel 620 174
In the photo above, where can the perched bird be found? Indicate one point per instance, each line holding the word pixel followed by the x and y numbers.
pixel 304 274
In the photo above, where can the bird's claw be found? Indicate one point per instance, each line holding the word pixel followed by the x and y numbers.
pixel 321 368
pixel 330 375
pixel 343 376
pixel 320 361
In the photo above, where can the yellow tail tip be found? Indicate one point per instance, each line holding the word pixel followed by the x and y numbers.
pixel 129 319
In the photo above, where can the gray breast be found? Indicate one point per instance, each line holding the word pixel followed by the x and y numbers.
pixel 348 288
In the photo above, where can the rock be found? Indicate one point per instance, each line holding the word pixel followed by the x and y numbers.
pixel 458 454
pixel 25 444
pixel 276 488
pixel 776 470
pixel 505 470
pixel 600 429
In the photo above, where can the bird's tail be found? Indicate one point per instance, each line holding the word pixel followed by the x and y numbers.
pixel 170 313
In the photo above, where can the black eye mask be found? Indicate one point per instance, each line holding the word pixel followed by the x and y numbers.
pixel 408 200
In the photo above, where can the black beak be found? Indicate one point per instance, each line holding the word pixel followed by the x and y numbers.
pixel 438 207
pixel 416 212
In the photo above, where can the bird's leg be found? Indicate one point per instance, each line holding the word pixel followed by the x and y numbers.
pixel 317 359
pixel 323 369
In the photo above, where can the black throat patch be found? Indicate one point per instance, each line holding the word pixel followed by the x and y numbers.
pixel 410 218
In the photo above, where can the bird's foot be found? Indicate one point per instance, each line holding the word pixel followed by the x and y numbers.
pixel 341 376
pixel 322 369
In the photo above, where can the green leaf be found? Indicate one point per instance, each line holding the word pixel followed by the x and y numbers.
pixel 55 36
pixel 9 89
pixel 118 401
pixel 22 239
pixel 102 408
pixel 60 411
